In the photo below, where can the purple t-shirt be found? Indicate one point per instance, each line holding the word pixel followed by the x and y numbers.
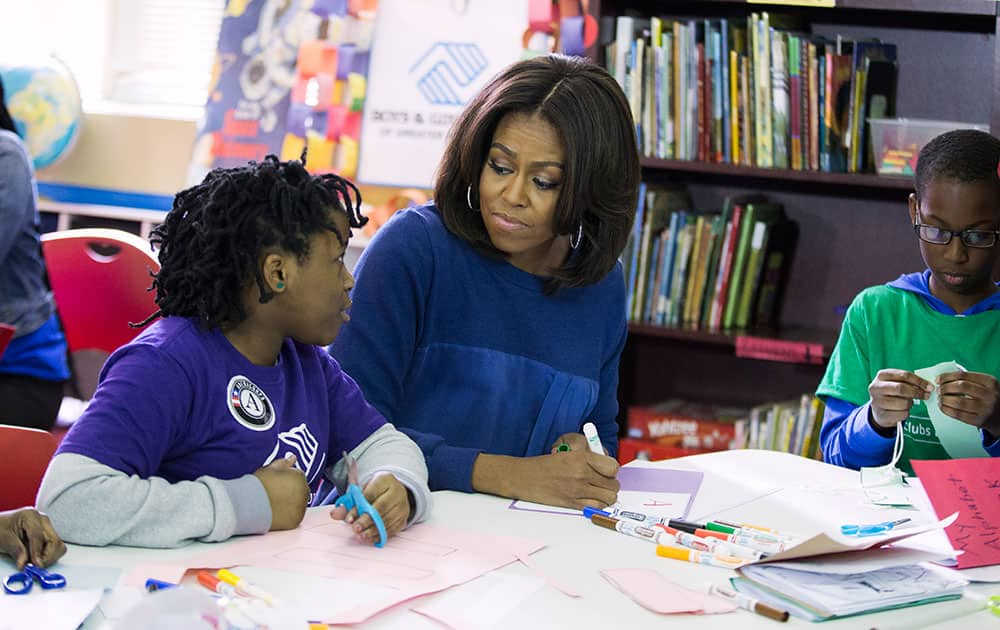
pixel 180 402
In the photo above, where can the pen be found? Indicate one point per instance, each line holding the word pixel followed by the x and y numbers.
pixel 213 583
pixel 764 545
pixel 158 585
pixel 748 603
pixel 754 530
pixel 593 440
pixel 698 557
pixel 242 586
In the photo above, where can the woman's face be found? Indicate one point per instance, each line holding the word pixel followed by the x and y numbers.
pixel 518 190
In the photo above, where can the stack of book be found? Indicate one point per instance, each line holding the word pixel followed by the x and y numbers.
pixel 761 92
pixel 707 270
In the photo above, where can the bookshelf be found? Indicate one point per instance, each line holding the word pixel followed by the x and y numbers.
pixel 853 226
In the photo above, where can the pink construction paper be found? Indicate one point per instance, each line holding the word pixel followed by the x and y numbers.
pixel 652 591
pixel 421 560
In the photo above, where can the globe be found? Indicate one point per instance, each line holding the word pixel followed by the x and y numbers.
pixel 44 102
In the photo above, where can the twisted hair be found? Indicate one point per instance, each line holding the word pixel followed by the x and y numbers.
pixel 211 240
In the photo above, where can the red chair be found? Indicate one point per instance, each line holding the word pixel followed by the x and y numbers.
pixel 24 456
pixel 6 334
pixel 100 279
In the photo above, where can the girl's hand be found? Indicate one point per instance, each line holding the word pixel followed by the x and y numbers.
pixel 287 491
pixel 892 393
pixel 392 501
pixel 973 398
pixel 27 536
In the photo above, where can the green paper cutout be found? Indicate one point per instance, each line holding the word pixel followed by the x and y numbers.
pixel 957 438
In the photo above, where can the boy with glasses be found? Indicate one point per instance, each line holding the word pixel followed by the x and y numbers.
pixel 949 312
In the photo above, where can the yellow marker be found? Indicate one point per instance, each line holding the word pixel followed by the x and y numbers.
pixel 698 557
pixel 245 587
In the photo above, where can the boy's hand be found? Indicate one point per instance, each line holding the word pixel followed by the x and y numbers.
pixel 392 501
pixel 27 536
pixel 892 393
pixel 973 398
pixel 287 490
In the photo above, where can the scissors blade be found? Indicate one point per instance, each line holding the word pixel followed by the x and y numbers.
pixel 352 468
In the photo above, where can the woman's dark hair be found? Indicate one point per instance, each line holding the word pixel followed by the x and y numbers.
pixel 601 174
pixel 211 240
pixel 6 122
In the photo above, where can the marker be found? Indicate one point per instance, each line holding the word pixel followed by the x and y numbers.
pixel 593 440
pixel 242 586
pixel 213 583
pixel 629 528
pixel 157 585
pixel 698 557
pixel 589 511
pixel 748 603
pixel 756 530
pixel 711 544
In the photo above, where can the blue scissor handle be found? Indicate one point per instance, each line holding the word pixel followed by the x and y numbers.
pixel 355 498
pixel 20 582
pixel 863 530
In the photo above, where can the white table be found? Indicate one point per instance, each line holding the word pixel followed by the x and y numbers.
pixel 576 550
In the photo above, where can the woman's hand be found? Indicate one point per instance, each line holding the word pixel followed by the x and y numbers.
pixel 27 536
pixel 973 398
pixel 892 393
pixel 287 491
pixel 392 501
pixel 575 479
pixel 573 441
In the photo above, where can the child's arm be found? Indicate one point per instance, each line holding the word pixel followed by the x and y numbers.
pixel 848 439
pixel 105 486
pixel 94 504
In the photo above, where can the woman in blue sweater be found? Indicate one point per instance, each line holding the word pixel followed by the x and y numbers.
pixel 33 369
pixel 488 324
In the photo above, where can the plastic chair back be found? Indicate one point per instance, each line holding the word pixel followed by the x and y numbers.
pixel 100 278
pixel 24 456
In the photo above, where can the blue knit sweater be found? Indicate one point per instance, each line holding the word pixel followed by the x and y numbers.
pixel 466 354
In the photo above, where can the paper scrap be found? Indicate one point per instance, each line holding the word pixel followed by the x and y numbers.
pixel 52 610
pixel 480 603
pixel 957 438
pixel 652 591
pixel 972 488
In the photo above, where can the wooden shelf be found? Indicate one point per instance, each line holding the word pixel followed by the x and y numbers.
pixel 826 338
pixel 877 182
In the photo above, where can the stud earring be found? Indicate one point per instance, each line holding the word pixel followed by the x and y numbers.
pixel 579 237
pixel 280 285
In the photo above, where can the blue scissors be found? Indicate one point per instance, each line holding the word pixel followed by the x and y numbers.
pixel 354 498
pixel 871 530
pixel 20 583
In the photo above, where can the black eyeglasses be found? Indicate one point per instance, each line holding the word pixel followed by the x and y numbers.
pixel 941 236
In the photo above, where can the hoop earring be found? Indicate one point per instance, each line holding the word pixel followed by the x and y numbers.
pixel 468 198
pixel 579 237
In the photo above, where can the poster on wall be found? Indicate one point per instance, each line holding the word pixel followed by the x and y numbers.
pixel 429 57
pixel 287 75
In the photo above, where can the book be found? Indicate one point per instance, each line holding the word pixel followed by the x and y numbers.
pixel 778 257
pixel 759 220
pixel 818 595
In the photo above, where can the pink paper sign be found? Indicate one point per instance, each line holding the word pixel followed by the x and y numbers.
pixel 972 488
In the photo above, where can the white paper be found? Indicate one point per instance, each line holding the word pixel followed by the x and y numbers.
pixel 957 438
pixel 482 602
pixel 52 610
